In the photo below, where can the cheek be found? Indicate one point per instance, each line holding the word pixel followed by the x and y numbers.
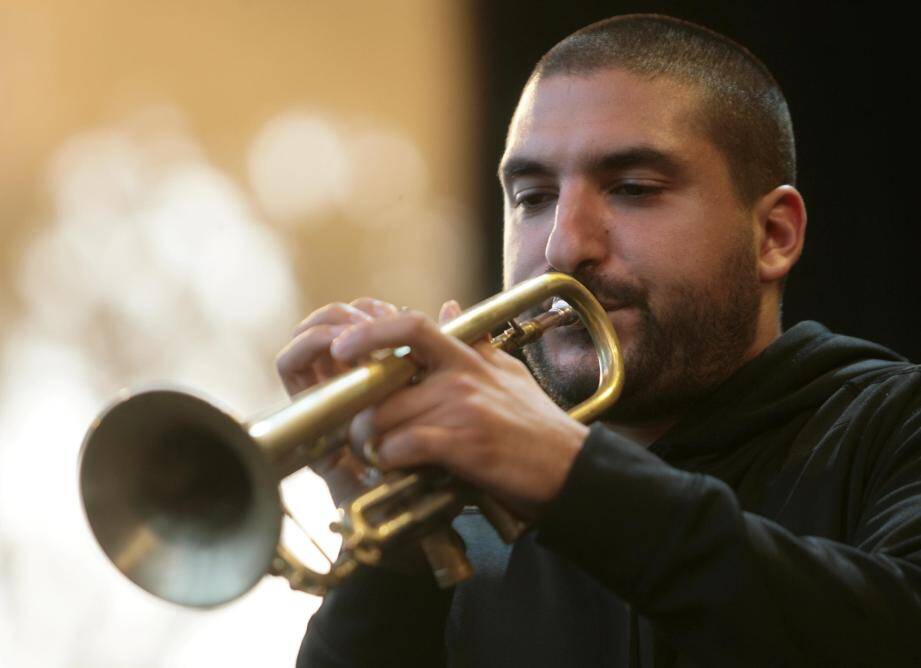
pixel 524 252
pixel 681 254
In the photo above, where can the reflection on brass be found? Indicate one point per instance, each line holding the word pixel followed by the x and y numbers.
pixel 201 487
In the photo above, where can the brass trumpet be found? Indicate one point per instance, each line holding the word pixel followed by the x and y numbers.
pixel 184 498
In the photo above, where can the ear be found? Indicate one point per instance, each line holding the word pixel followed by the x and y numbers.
pixel 780 217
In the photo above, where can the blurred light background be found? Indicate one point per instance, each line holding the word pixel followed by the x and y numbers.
pixel 181 182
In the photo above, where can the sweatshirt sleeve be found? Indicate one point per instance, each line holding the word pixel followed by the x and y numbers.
pixel 727 587
pixel 378 618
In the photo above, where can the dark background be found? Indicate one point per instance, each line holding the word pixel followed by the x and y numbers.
pixel 848 71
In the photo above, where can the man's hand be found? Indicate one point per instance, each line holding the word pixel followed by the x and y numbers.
pixel 478 412
pixel 306 361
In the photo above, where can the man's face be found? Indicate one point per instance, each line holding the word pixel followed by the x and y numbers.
pixel 608 178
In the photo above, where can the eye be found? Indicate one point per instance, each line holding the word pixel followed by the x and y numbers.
pixel 532 199
pixel 636 190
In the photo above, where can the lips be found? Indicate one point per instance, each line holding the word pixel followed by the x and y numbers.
pixel 610 308
pixel 578 326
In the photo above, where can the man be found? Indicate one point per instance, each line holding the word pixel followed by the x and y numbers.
pixel 755 496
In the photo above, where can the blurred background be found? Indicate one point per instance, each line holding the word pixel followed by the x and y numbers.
pixel 180 182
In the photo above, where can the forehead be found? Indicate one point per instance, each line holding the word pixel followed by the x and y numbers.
pixel 562 117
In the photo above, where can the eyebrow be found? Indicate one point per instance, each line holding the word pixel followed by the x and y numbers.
pixel 629 158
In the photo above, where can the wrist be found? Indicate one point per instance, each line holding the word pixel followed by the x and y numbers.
pixel 570 442
pixel 577 433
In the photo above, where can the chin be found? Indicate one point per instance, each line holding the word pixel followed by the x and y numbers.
pixel 566 365
pixel 571 352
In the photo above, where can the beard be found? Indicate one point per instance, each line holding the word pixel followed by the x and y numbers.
pixel 680 351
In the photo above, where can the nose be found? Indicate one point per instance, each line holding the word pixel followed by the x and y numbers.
pixel 578 236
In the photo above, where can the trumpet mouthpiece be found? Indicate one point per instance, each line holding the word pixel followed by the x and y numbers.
pixel 560 305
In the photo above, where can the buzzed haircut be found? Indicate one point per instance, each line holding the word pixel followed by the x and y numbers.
pixel 743 111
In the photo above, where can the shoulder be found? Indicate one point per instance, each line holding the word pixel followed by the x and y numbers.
pixel 879 425
pixel 893 389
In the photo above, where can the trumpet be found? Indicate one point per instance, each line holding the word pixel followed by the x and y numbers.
pixel 184 498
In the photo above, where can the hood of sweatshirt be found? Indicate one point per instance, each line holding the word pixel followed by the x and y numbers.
pixel 814 363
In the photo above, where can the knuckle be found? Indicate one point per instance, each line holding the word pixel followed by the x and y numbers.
pixel 418 322
pixel 331 314
pixel 373 307
pixel 471 405
pixel 317 334
pixel 463 383
pixel 283 361
pixel 337 310
pixel 318 315
pixel 304 348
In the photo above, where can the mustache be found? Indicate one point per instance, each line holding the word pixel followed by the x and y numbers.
pixel 612 292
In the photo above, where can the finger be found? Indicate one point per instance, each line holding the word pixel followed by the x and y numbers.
pixel 333 314
pixel 301 361
pixel 325 368
pixel 507 362
pixel 306 347
pixel 449 310
pixel 343 474
pixel 361 429
pixel 498 357
pixel 414 402
pixel 417 445
pixel 430 346
pixel 374 307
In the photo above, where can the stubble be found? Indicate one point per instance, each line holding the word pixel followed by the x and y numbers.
pixel 680 353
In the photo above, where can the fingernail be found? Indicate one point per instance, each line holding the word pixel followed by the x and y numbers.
pixel 360 430
pixel 339 347
pixel 449 310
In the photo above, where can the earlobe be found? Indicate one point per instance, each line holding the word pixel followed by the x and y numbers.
pixel 781 219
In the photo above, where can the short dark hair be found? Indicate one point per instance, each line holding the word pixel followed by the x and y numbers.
pixel 743 112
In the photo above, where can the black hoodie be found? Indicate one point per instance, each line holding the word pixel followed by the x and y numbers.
pixel 778 524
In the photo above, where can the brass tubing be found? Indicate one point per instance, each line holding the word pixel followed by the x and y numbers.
pixel 183 497
pixel 322 409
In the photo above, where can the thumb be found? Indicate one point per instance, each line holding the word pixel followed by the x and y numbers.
pixel 449 310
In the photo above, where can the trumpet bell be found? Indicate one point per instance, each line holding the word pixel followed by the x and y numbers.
pixel 180 497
